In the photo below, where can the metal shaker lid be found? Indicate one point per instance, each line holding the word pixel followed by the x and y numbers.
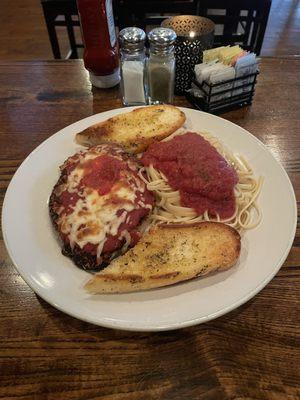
pixel 162 39
pixel 132 39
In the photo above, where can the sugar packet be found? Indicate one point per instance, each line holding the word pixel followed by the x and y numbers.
pixel 212 54
pixel 215 73
pixel 246 65
pixel 217 77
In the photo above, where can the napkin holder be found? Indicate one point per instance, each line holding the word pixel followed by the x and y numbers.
pixel 223 96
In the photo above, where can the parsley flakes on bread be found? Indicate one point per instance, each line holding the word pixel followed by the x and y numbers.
pixel 169 254
pixel 135 130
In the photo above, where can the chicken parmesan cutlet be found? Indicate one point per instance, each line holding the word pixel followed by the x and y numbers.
pixel 98 204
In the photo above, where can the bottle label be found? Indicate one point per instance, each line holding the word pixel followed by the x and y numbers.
pixel 110 22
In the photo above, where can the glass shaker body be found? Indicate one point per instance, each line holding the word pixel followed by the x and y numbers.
pixel 161 65
pixel 161 77
pixel 133 85
pixel 132 43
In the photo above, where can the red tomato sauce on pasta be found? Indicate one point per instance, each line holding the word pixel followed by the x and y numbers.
pixel 194 167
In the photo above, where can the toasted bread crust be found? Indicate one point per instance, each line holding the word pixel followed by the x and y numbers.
pixel 135 130
pixel 169 254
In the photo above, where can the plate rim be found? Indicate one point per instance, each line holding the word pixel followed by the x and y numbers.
pixel 149 327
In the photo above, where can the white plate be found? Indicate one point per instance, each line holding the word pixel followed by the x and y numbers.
pixel 35 251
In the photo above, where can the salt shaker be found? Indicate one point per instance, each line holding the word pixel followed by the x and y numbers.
pixel 161 65
pixel 132 43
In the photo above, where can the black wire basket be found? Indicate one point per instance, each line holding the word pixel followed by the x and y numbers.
pixel 224 96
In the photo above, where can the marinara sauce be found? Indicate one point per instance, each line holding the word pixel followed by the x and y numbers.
pixel 193 166
pixel 107 175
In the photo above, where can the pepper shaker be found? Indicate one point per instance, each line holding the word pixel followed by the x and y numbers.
pixel 132 44
pixel 161 65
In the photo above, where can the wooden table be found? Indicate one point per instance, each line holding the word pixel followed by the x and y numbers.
pixel 250 353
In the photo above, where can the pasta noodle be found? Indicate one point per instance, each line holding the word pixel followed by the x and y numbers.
pixel 168 209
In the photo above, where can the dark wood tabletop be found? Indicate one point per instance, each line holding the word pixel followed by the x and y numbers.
pixel 250 353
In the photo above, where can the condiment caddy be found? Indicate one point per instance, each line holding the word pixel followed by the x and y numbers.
pixel 213 98
pixel 147 80
pixel 225 80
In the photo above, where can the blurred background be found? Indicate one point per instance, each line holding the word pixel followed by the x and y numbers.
pixel 47 29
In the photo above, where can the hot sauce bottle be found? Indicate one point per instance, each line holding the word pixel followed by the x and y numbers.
pixel 100 56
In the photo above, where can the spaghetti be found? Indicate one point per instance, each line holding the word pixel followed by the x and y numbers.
pixel 168 207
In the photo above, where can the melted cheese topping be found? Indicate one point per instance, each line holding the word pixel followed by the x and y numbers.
pixel 74 179
pixel 96 216
pixel 126 193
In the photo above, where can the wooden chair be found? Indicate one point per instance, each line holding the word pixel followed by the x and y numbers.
pixel 61 13
pixel 149 13
pixel 237 21
pixel 64 13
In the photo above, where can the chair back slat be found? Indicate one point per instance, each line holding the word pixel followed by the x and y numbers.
pixel 237 21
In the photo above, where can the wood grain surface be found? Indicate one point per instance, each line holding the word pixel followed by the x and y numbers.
pixel 250 353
